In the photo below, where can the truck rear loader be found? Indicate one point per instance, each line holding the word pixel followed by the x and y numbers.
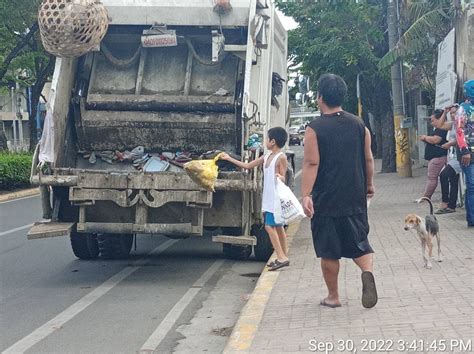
pixel 169 76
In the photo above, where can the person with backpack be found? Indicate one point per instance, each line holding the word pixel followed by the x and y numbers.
pixel 465 141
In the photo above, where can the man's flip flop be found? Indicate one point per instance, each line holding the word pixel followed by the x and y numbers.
pixel 277 265
pixel 270 264
pixel 369 291
pixel 324 303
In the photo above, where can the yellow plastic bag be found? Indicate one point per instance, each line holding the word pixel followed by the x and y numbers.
pixel 203 172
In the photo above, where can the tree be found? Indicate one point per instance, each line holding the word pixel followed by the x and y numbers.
pixel 424 23
pixel 23 58
pixel 347 38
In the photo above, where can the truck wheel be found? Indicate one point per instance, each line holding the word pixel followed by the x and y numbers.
pixel 263 249
pixel 236 252
pixel 84 246
pixel 115 246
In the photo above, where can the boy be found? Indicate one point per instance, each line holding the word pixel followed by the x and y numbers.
pixel 275 165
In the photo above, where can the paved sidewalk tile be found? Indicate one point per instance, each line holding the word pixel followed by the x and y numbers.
pixel 414 303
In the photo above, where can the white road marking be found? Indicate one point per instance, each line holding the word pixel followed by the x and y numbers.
pixel 16 229
pixel 57 322
pixel 172 317
pixel 22 198
pixel 298 174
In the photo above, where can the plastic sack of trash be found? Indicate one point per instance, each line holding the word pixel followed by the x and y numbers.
pixel 203 172
pixel 287 207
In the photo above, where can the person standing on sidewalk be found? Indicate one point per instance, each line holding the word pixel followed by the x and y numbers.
pixel 275 166
pixel 465 140
pixel 435 154
pixel 449 176
pixel 337 182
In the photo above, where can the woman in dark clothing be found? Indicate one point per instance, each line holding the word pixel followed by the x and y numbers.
pixel 434 153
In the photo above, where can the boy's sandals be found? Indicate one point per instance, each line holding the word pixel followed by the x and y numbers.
pixel 277 265
pixel 445 211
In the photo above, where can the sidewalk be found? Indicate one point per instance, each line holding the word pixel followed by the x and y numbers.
pixel 414 303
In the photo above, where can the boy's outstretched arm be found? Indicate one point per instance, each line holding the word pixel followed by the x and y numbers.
pixel 310 169
pixel 247 166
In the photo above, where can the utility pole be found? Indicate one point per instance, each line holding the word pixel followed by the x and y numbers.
pixel 401 134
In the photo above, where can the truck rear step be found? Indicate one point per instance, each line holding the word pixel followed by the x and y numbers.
pixel 50 229
pixel 236 240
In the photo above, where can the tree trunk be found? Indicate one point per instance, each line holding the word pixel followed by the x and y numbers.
pixel 35 96
pixel 389 163
pixel 378 137
pixel 376 99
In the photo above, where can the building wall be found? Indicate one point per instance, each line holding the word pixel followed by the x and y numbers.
pixel 465 45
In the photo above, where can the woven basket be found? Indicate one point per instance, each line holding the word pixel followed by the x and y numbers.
pixel 71 28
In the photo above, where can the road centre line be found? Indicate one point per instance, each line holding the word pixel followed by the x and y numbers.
pixel 16 229
pixel 172 317
pixel 57 322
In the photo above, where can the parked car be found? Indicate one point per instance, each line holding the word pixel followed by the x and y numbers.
pixel 295 136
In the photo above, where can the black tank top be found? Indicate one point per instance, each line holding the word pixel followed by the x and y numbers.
pixel 341 184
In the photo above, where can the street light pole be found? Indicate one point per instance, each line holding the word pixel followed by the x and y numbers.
pixel 401 134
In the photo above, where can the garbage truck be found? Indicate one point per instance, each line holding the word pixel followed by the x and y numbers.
pixel 170 78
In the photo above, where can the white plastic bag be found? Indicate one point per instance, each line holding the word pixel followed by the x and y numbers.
pixel 287 207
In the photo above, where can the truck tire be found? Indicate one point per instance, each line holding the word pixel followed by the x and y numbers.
pixel 263 249
pixel 115 246
pixel 84 246
pixel 236 252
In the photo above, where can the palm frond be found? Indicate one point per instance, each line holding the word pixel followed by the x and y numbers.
pixel 415 39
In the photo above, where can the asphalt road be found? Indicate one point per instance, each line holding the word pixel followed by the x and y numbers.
pixel 170 296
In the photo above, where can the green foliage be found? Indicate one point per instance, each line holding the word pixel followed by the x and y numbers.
pixel 17 17
pixel 424 24
pixel 22 56
pixel 342 37
pixel 14 170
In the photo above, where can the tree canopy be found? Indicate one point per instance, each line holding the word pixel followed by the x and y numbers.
pixel 347 38
pixel 22 57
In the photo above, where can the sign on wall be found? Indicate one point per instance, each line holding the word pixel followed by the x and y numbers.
pixel 446 77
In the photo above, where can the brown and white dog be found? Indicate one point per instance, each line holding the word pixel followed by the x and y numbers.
pixel 427 229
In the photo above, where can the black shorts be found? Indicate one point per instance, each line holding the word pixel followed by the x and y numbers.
pixel 336 237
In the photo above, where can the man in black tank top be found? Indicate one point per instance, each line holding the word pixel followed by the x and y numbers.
pixel 337 184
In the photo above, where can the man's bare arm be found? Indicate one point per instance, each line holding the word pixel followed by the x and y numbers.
pixel 310 162
pixel 369 164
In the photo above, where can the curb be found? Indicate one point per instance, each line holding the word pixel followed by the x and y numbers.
pixel 20 194
pixel 247 325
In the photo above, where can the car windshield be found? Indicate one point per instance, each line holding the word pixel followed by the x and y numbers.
pixel 293 130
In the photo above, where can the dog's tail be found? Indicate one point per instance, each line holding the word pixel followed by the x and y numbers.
pixel 429 201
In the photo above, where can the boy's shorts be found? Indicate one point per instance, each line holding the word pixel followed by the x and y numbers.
pixel 270 220
pixel 346 236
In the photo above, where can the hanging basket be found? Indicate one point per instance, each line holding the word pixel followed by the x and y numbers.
pixel 71 28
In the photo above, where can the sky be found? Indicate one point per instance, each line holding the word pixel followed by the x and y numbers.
pixel 288 22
